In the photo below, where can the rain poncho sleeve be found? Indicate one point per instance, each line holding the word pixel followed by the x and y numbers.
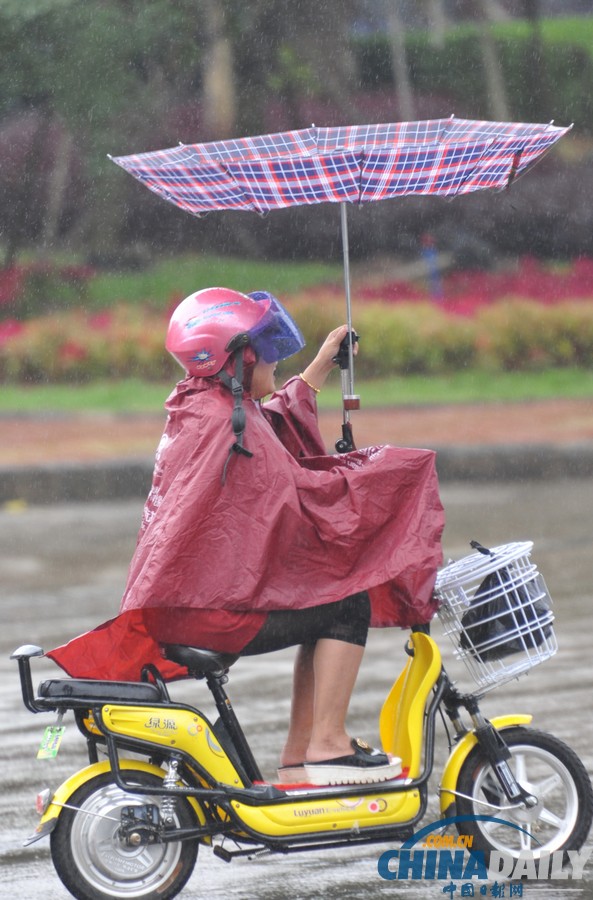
pixel 292 527
pixel 293 415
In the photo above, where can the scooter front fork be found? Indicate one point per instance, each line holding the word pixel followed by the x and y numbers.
pixel 498 755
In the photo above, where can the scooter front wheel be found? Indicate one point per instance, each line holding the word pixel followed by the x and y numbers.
pixel 95 863
pixel 547 769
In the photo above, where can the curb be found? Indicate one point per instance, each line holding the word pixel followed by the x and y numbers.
pixel 130 479
pixel 528 462
pixel 76 482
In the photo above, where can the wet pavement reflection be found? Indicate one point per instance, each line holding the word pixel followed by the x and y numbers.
pixel 62 570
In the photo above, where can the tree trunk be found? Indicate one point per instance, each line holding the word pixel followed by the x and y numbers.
pixel 56 186
pixel 319 36
pixel 437 22
pixel 537 77
pixel 498 106
pixel 218 80
pixel 399 62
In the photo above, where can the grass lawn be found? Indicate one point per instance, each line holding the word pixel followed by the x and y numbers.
pixel 179 276
pixel 476 386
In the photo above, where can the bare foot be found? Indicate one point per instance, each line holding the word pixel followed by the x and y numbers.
pixel 332 748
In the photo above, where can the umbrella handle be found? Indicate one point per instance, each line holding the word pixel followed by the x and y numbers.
pixel 350 401
pixel 346 443
pixel 344 358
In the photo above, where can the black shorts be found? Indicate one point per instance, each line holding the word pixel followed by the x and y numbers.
pixel 345 620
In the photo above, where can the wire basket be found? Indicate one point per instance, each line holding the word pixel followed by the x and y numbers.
pixel 496 609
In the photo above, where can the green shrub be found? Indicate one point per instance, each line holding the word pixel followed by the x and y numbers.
pixel 516 335
pixel 395 339
pixel 76 347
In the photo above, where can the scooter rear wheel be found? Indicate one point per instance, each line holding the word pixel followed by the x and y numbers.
pixel 545 767
pixel 94 863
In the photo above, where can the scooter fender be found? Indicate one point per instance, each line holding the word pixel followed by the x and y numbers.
pixel 62 795
pixel 462 751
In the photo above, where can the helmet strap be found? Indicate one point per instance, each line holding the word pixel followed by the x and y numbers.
pixel 238 419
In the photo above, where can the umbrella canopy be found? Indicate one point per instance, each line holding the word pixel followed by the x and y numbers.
pixel 356 164
pixel 349 164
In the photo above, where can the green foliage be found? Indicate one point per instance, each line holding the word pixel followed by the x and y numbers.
pixel 407 338
pixel 47 288
pixel 121 332
pixel 91 60
pixel 404 339
pixel 122 76
pixel 194 272
pixel 134 395
pixel 421 339
pixel 75 347
pixel 561 55
pixel 519 335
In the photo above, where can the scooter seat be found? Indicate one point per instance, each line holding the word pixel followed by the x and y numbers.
pixel 82 692
pixel 200 662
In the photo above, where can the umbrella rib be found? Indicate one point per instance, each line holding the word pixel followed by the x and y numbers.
pixel 248 200
pixel 360 171
pixel 514 168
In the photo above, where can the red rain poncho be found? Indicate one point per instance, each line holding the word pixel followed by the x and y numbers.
pixel 291 528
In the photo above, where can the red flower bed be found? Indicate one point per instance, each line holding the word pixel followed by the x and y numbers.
pixel 466 292
pixel 535 316
pixel 9 329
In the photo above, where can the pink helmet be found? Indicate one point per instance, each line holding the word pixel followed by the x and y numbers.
pixel 210 324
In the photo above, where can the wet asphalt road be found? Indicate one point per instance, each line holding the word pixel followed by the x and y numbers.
pixel 62 570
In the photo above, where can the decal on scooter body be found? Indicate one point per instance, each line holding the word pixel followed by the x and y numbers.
pixel 182 729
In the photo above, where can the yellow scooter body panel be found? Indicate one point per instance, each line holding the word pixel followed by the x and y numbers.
pixel 461 752
pixel 188 731
pixel 65 791
pixel 173 728
pixel 401 723
pixel 342 814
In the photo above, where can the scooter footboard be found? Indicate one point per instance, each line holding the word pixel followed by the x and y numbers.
pixel 342 814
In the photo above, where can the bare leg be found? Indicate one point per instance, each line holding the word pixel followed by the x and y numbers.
pixel 324 678
pixel 301 711
pixel 336 666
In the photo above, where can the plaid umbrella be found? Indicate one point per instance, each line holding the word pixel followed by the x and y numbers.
pixel 350 164
pixel 357 164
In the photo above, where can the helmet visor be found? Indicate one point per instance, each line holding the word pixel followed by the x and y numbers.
pixel 276 336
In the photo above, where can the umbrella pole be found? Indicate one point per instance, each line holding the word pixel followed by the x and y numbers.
pixel 346 257
pixel 350 400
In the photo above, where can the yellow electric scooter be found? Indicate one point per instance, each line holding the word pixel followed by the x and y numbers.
pixel 131 826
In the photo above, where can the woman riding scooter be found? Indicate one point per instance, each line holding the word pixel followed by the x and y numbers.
pixel 254 539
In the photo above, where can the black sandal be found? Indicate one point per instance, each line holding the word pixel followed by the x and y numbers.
pixel 366 765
